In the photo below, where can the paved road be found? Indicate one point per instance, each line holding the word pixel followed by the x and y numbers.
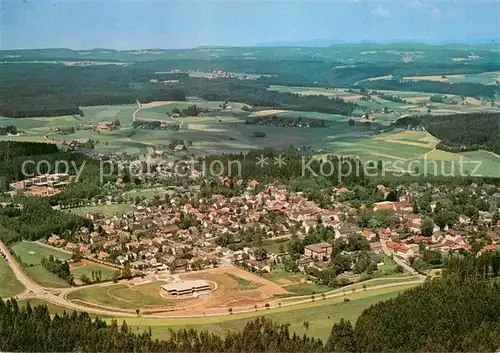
pixel 57 296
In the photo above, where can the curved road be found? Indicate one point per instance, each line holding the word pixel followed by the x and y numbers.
pixel 57 296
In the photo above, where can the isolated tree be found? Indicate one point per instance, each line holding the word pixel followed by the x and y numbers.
pixel 427 227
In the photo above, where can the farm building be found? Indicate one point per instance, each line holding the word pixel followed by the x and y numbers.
pixel 105 125
pixel 186 287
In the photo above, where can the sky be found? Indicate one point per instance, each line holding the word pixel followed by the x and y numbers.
pixel 148 24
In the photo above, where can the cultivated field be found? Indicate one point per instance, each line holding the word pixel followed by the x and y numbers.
pixel 227 130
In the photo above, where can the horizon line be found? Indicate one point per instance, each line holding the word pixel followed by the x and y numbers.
pixel 285 44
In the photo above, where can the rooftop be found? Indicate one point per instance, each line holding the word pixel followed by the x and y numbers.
pixel 185 285
pixel 318 247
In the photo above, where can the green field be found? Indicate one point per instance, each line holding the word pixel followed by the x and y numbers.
pixel 307 288
pixel 149 194
pixel 10 286
pixel 87 269
pixel 274 246
pixel 40 275
pixel 122 297
pixel 226 131
pixel 321 314
pixel 31 254
pixel 108 210
pixel 280 276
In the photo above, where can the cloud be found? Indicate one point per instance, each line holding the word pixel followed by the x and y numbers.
pixel 381 11
pixel 432 11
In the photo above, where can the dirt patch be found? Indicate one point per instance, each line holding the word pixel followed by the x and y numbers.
pixel 315 93
pixel 387 156
pixel 410 143
pixel 227 293
pixel 389 77
pixel 472 101
pixel 352 98
pixel 204 127
pixel 268 112
pixel 417 99
pixel 436 78
pixel 156 104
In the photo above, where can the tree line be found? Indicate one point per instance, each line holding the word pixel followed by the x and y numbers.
pixel 460 132
pixel 30 90
pixel 452 313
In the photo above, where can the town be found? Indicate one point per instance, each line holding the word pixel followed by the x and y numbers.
pixel 184 230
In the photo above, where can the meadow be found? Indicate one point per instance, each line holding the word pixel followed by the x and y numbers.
pixel 86 268
pixel 10 285
pixel 108 210
pixel 31 254
pixel 227 131
pixel 320 315
pixel 122 296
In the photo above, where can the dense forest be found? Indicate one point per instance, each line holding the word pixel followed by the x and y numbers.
pixel 36 219
pixel 49 90
pixel 30 329
pixel 462 89
pixel 460 132
pixel 55 89
pixel 456 313
pixel 10 149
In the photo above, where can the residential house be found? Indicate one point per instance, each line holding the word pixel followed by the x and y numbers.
pixel 318 251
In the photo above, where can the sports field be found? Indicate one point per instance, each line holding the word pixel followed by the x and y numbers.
pixel 122 296
pixel 10 285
